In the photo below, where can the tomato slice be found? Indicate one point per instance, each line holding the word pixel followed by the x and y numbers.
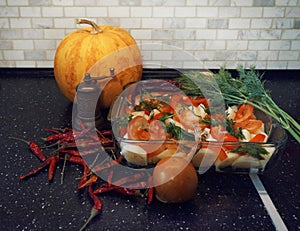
pixel 252 125
pixel 218 132
pixel 196 101
pixel 138 129
pixel 258 138
pixel 157 130
pixel 244 112
pixel 222 155
pixel 230 138
pixel 179 99
pixel 164 108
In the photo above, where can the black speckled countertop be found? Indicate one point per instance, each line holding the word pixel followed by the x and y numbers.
pixel 31 101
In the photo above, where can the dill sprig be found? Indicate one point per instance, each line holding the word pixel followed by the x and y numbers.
pixel 247 87
pixel 251 149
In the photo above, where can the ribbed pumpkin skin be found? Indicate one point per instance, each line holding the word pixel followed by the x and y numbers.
pixel 79 51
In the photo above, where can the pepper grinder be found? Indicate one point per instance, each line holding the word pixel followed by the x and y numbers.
pixel 87 108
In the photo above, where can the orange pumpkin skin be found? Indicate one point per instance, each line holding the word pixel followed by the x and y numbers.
pixel 80 50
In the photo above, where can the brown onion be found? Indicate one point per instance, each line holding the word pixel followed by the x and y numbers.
pixel 175 180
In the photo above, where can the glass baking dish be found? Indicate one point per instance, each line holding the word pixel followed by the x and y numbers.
pixel 204 155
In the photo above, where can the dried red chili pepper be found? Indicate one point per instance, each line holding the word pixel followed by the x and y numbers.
pixel 80 161
pixel 39 168
pixel 61 137
pixel 53 138
pixel 37 151
pixel 108 188
pixel 57 130
pixel 109 178
pixel 101 167
pixel 150 192
pixel 87 144
pixel 126 191
pixel 52 166
pixel 34 148
pixel 97 202
pixel 76 153
pixel 82 125
pixel 88 152
pixel 104 188
pixel 81 144
pixel 104 134
pixel 77 160
pixel 67 137
pixel 71 152
pixel 86 170
pixel 128 179
pixel 107 142
pixel 93 179
pixel 97 207
pixel 52 130
pixel 138 185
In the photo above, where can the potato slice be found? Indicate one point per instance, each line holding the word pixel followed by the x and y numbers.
pixel 134 154
pixel 227 162
pixel 163 154
pixel 246 162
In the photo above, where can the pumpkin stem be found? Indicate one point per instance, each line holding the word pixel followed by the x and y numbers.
pixel 95 27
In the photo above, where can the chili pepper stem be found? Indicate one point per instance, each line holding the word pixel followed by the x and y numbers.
pixel 63 169
pixel 20 139
pixel 85 175
pixel 94 213
pixel 50 145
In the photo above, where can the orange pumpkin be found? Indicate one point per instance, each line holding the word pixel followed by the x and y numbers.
pixel 95 50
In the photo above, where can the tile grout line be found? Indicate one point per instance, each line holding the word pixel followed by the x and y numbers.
pixel 270 207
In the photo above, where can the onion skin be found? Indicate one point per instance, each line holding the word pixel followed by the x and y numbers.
pixel 175 180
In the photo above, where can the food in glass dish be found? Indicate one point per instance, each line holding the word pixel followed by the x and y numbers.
pixel 154 125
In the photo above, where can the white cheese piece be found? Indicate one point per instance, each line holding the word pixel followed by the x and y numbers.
pixel 140 113
pixel 154 112
pixel 231 112
pixel 201 108
pixel 176 123
pixel 207 135
pixel 246 134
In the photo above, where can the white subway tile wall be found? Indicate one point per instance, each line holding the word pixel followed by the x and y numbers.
pixel 169 33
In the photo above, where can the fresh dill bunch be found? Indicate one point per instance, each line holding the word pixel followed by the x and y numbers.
pixel 252 84
pixel 246 87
